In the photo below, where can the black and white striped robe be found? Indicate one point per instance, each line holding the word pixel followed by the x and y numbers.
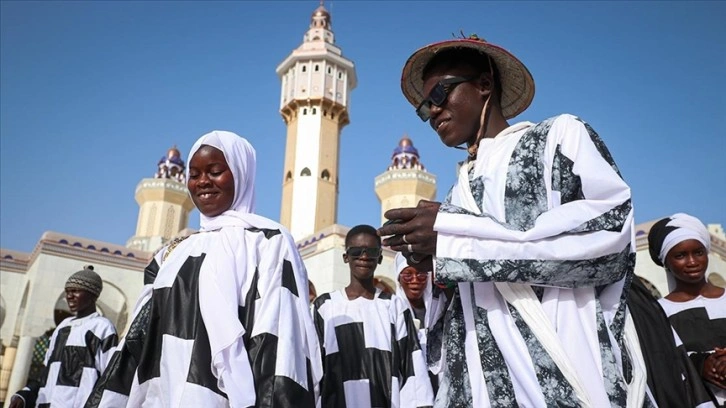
pixel 226 322
pixel 78 353
pixel 371 353
pixel 538 234
pixel 699 327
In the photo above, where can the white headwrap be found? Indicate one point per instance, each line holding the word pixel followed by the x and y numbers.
pixel 687 227
pixel 669 232
pixel 242 162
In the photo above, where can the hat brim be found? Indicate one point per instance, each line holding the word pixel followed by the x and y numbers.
pixel 516 80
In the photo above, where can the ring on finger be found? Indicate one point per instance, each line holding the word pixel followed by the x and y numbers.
pixel 414 260
pixel 405 241
pixel 410 248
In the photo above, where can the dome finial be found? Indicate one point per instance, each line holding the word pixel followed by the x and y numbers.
pixel 321 18
pixel 405 156
pixel 171 166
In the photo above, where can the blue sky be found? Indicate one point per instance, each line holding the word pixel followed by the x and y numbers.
pixel 92 94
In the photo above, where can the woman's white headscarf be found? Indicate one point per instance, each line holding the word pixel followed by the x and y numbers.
pixel 242 162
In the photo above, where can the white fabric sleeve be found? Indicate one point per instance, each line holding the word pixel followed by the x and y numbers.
pixel 565 240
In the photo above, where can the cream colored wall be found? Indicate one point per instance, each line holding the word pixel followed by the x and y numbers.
pixel 12 285
pixel 46 277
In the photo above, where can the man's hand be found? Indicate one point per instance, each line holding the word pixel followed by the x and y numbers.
pixel 413 233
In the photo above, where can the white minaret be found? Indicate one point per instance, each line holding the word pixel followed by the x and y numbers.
pixel 316 84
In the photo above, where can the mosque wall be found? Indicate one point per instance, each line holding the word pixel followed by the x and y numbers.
pixel 33 285
pixel 13 286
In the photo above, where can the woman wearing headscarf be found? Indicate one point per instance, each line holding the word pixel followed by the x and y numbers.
pixel 696 308
pixel 225 321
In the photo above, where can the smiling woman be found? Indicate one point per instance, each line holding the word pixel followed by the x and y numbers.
pixel 695 307
pixel 221 299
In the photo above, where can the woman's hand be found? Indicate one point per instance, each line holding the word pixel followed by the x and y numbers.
pixel 16 402
pixel 413 232
pixel 714 368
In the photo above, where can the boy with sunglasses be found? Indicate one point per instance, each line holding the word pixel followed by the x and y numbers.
pixel 535 237
pixel 370 348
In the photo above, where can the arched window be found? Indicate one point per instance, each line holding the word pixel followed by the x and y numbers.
pixel 325 175
pixel 305 172
pixel 330 70
pixel 340 75
pixel 305 111
pixel 315 111
pixel 304 68
pixel 288 176
pixel 317 67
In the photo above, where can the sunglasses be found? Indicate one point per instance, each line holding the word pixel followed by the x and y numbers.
pixel 420 276
pixel 357 252
pixel 438 95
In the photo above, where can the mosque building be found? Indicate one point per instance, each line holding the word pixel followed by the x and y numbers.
pixel 316 87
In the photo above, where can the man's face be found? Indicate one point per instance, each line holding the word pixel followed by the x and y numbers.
pixel 457 120
pixel 362 267
pixel 80 301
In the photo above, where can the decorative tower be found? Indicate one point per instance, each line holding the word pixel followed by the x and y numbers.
pixel 164 204
pixel 406 180
pixel 316 85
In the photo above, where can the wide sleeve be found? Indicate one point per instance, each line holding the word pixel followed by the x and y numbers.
pixel 568 220
pixel 268 357
pixel 100 341
pixel 409 360
pixel 114 385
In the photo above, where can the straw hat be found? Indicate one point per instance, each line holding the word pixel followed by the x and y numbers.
pixel 517 82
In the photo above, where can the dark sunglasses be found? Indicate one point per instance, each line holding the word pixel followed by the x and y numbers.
pixel 357 252
pixel 420 276
pixel 438 95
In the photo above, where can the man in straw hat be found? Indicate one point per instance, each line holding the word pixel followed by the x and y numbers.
pixel 536 237
pixel 79 350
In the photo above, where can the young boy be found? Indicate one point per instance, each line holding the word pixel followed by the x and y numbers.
pixel 371 354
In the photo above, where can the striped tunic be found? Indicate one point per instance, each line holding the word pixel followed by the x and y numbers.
pixel 79 352
pixel 223 321
pixel 700 324
pixel 371 353
pixel 537 235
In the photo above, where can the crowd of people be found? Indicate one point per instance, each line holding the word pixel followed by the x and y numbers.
pixel 517 290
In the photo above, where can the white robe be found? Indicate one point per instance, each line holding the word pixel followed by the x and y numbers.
pixel 537 233
pixel 78 353
pixel 371 353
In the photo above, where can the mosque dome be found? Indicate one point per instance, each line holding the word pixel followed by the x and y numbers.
pixel 171 166
pixel 321 18
pixel 405 156
pixel 172 155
